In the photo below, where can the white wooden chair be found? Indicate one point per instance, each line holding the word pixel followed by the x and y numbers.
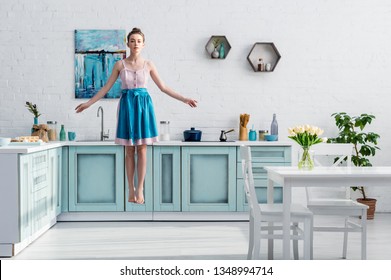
pixel 336 201
pixel 272 213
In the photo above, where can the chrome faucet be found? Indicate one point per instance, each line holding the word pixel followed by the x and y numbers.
pixel 103 135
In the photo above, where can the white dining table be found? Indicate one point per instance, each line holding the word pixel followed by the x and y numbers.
pixel 291 177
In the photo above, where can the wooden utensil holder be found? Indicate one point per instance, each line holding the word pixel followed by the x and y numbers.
pixel 243 134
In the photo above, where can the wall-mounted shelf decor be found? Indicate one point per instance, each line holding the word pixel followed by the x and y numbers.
pixel 263 57
pixel 218 47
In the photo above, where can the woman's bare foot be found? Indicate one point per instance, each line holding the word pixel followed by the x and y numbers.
pixel 132 197
pixel 140 196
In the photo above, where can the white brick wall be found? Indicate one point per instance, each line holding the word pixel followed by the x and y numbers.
pixel 336 56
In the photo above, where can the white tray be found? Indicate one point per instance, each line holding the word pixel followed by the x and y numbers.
pixel 26 143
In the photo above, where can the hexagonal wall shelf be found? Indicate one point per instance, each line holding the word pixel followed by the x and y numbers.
pixel 213 47
pixel 263 57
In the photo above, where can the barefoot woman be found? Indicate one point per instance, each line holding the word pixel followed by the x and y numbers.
pixel 136 124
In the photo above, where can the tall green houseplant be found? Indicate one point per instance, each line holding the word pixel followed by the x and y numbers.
pixel 351 130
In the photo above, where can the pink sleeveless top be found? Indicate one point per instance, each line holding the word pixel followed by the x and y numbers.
pixel 134 79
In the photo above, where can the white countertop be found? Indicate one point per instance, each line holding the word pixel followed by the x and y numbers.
pixel 228 143
pixel 25 148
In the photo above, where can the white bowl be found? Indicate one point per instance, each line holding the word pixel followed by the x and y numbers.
pixel 4 141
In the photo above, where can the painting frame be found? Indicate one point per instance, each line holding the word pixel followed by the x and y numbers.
pixel 96 52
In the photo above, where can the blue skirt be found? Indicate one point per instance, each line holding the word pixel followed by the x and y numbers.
pixel 136 124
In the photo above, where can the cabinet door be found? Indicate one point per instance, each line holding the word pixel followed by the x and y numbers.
pixel 261 191
pixel 148 182
pixel 41 194
pixel 96 178
pixel 166 178
pixel 41 209
pixel 25 196
pixel 208 178
pixel 55 174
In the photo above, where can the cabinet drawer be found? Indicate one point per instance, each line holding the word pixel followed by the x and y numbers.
pixel 268 154
pixel 39 161
pixel 259 172
pixel 39 179
pixel 261 191
pixel 40 209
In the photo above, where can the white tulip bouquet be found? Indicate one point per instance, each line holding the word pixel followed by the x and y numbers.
pixel 306 136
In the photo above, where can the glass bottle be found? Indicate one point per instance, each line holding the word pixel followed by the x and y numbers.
pixel 63 136
pixel 274 126
pixel 261 65
pixel 165 131
pixel 222 51
pixel 52 132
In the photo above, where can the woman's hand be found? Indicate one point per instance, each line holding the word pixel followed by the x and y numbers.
pixel 191 102
pixel 81 107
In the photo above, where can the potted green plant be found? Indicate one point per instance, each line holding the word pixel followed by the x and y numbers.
pixel 33 110
pixel 351 130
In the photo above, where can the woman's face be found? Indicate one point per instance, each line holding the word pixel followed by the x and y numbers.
pixel 136 43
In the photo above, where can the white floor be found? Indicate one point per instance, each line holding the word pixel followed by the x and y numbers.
pixel 187 240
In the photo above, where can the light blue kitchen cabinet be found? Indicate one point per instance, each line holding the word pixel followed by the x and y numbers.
pixel 208 178
pixel 37 194
pixel 41 207
pixel 262 156
pixel 28 197
pixel 166 178
pixel 148 192
pixel 96 178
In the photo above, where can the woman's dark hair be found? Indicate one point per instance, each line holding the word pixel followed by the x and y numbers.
pixel 136 31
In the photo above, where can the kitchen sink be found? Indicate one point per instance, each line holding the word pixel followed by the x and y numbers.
pixel 218 141
pixel 96 140
pixel 211 141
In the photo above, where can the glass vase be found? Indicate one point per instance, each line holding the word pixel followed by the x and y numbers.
pixel 36 122
pixel 306 161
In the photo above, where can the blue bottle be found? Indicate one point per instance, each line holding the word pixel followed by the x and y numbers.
pixel 63 136
pixel 222 51
pixel 274 127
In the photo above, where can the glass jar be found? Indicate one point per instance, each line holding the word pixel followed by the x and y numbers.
pixel 262 134
pixel 165 131
pixel 52 130
pixel 252 135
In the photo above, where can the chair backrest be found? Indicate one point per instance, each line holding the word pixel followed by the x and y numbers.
pixel 338 153
pixel 249 188
pixel 330 155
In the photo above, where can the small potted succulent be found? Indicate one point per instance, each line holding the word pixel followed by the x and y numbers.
pixel 215 53
pixel 351 130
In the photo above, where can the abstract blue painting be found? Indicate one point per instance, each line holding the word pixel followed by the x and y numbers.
pixel 96 52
